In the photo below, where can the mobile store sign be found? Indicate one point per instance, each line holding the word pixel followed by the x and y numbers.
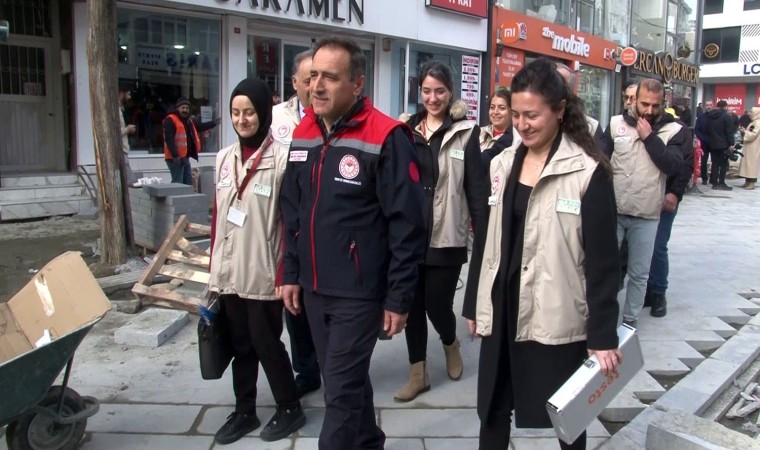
pixel 534 35
pixel 475 8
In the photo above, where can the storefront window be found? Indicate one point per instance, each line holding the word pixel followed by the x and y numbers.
pixel 649 24
pixel 594 89
pixel 264 61
pixel 686 29
pixel 164 57
pixel 590 14
pixel 616 22
pixel 555 11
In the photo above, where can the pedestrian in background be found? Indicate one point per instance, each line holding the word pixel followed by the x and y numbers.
pixel 719 129
pixel 285 118
pixel 645 146
pixel 659 268
pixel 246 257
pixel 498 134
pixel 182 141
pixel 125 94
pixel 351 202
pixel 451 174
pixel 701 132
pixel 749 167
pixel 542 283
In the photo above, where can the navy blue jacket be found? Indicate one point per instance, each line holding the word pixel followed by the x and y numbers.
pixel 351 204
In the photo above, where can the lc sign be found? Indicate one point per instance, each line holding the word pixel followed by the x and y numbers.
pixel 752 69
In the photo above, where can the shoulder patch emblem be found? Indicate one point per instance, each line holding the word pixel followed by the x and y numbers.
pixel 225 170
pixel 621 130
pixel 283 131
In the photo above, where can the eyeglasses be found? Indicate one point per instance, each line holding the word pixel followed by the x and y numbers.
pixel 630 98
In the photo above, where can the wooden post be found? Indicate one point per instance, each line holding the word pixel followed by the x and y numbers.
pixel 102 57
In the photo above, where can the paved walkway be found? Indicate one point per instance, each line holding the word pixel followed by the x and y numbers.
pixel 155 398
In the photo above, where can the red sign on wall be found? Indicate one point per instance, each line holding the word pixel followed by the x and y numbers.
pixel 733 94
pixel 507 65
pixel 476 8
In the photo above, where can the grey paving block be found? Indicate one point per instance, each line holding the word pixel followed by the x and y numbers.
pixel 669 358
pixel 741 349
pixel 99 441
pixel 190 200
pixel 709 378
pixel 126 418
pixel 435 422
pixel 627 405
pixel 151 328
pixel 688 400
pixel 679 430
pixel 450 444
pixel 166 190
pixel 248 443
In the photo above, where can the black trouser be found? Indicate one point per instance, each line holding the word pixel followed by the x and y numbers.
pixel 255 328
pixel 435 296
pixel 703 165
pixel 495 432
pixel 719 166
pixel 302 351
pixel 345 332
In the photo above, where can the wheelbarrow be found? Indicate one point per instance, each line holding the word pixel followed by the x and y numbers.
pixel 38 415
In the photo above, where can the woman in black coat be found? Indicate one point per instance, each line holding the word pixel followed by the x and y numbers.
pixel 521 374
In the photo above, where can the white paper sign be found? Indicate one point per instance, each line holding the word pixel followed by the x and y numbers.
pixel 207 114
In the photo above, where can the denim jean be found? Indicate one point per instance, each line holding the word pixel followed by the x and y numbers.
pixel 658 271
pixel 181 173
pixel 641 234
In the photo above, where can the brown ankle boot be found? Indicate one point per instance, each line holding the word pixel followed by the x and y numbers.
pixel 454 364
pixel 418 383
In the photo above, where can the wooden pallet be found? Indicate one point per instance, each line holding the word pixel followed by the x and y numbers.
pixel 177 258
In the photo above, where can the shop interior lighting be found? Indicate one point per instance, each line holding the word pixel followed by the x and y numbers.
pixel 123 47
pixel 179 46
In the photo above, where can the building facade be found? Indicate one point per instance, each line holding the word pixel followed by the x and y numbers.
pixel 730 53
pixel 200 49
pixel 590 35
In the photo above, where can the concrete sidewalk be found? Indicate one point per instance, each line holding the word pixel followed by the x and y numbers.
pixel 155 398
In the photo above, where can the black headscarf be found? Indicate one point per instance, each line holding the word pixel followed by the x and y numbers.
pixel 261 98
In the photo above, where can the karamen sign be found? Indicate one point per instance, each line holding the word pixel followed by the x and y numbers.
pixel 572 45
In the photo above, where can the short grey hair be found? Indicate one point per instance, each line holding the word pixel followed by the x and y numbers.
pixel 573 79
pixel 298 59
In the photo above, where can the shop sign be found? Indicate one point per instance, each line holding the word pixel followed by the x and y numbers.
pixel 573 45
pixel 337 10
pixel 471 85
pixel 628 56
pixel 667 67
pixel 531 34
pixel 752 69
pixel 475 8
pixel 161 59
pixel 507 65
pixel 733 94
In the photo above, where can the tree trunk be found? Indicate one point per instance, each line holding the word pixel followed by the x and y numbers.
pixel 103 69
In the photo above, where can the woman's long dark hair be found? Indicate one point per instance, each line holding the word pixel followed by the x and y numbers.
pixel 541 77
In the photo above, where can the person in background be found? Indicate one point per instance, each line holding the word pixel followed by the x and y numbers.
pixel 685 115
pixel 549 252
pixel 245 270
pixel 498 134
pixel 125 94
pixel 749 167
pixel 647 147
pixel 699 109
pixel 182 141
pixel 629 94
pixel 351 202
pixel 571 80
pixel 701 133
pixel 675 186
pixel 285 118
pixel 276 99
pixel 451 175
pixel 719 129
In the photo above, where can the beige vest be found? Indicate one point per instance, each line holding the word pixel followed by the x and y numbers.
pixel 285 119
pixel 245 259
pixel 486 138
pixel 552 306
pixel 639 184
pixel 450 211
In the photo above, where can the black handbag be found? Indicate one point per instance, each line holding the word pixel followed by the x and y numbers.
pixel 214 347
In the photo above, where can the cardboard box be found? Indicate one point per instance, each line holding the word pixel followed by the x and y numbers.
pixel 61 298
pixel 583 397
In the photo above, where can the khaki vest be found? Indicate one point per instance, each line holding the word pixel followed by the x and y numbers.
pixel 245 260
pixel 552 306
pixel 639 184
pixel 486 138
pixel 450 211
pixel 285 119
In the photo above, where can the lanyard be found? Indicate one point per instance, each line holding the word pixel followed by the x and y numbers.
pixel 254 164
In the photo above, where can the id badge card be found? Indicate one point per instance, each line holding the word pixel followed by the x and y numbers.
pixel 236 216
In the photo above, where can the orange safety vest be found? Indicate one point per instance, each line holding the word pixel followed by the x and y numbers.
pixel 180 138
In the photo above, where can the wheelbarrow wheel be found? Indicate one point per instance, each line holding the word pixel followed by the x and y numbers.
pixel 36 431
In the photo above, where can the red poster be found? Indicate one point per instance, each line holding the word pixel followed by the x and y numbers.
pixel 507 65
pixel 733 94
pixel 477 8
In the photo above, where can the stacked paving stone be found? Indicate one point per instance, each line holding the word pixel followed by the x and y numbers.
pixel 156 208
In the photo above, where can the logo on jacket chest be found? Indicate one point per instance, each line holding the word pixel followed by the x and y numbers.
pixel 283 131
pixel 349 167
pixel 622 130
pixel 225 171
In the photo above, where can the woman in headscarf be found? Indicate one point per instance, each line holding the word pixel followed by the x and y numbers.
pixel 246 236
